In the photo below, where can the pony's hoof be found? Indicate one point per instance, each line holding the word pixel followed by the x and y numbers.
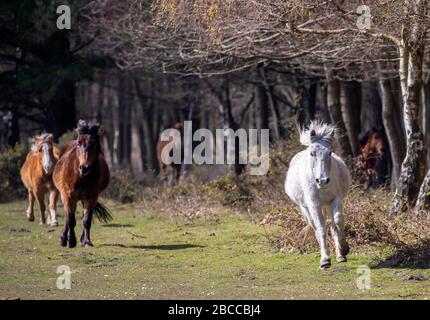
pixel 88 244
pixel 63 241
pixel 72 242
pixel 345 249
pixel 54 224
pixel 325 264
pixel 30 218
pixel 341 259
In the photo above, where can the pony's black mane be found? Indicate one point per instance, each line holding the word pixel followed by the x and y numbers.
pixel 88 128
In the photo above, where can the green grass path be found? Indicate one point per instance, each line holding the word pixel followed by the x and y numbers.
pixel 150 256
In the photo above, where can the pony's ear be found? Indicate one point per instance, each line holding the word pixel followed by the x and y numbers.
pixel 313 133
pixel 83 127
pixel 49 137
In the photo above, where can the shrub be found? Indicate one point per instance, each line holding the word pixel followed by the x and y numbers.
pixel 11 186
pixel 124 187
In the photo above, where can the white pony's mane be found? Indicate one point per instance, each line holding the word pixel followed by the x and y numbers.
pixel 324 133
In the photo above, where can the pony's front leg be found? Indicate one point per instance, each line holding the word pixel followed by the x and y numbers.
pixel 321 234
pixel 68 236
pixel 88 217
pixel 40 197
pixel 53 199
pixel 30 210
pixel 338 230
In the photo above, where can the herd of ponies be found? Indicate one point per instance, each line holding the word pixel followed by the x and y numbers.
pixel 317 181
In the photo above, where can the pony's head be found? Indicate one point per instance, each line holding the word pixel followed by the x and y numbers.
pixel 319 138
pixel 43 146
pixel 87 145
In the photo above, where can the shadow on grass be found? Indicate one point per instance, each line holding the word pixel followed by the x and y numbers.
pixel 118 225
pixel 179 246
pixel 408 256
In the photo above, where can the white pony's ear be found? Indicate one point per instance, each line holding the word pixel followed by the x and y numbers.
pixel 312 133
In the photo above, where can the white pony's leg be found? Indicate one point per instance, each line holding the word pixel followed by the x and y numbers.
pixel 307 215
pixel 321 235
pixel 305 231
pixel 53 199
pixel 338 230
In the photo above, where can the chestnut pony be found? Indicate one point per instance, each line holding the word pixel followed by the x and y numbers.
pixel 373 161
pixel 170 174
pixel 36 174
pixel 81 174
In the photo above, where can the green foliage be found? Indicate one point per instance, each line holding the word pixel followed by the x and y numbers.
pixel 11 186
pixel 66 138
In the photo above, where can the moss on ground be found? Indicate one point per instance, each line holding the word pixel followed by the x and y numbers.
pixel 145 255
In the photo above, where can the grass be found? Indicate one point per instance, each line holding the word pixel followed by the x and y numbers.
pixel 146 255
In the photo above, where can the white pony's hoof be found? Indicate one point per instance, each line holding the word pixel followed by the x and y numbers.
pixel 325 264
pixel 54 224
pixel 341 259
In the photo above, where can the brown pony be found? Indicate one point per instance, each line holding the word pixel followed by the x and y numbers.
pixel 81 174
pixel 374 158
pixel 36 174
pixel 169 173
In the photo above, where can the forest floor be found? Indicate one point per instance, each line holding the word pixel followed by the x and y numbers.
pixel 145 255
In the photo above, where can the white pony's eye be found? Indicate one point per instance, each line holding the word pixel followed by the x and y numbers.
pixel 312 154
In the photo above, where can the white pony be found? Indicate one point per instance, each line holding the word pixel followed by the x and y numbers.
pixel 317 181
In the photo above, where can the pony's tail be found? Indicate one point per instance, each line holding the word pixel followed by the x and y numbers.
pixel 102 213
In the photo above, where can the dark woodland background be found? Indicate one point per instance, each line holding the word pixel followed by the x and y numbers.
pixel 50 78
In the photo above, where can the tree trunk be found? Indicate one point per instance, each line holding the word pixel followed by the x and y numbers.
pixel 124 102
pixel 261 108
pixel 116 114
pixel 351 105
pixel 411 52
pixel 148 134
pixel 423 201
pixel 310 100
pixel 393 134
pixel 426 118
pixel 371 106
pixel 225 109
pixel 334 108
pixel 277 125
pixel 325 115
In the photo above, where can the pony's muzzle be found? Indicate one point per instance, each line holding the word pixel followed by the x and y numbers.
pixel 84 170
pixel 322 181
pixel 48 169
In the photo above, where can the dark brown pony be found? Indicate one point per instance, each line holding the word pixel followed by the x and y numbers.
pixel 170 174
pixel 374 158
pixel 81 174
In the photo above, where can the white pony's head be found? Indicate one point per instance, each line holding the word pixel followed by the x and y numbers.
pixel 319 138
